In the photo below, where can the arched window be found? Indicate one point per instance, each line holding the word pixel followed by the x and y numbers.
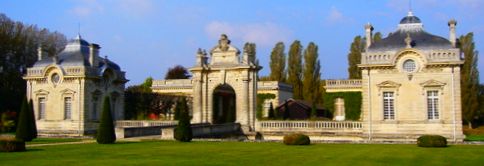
pixel 409 66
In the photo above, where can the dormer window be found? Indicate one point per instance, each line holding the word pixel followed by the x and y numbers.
pixel 409 66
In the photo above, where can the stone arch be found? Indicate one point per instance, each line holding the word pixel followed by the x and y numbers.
pixel 224 104
pixel 409 54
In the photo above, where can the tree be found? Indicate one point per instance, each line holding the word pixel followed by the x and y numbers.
pixel 278 63
pixel 294 69
pixel 469 79
pixel 105 131
pixel 271 111
pixel 354 58
pixel 250 49
pixel 311 74
pixel 18 50
pixel 24 126
pixel 177 72
pixel 183 132
pixel 481 103
pixel 287 113
pixel 33 126
pixel 377 37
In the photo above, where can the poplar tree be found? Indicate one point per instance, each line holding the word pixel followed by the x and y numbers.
pixel 311 74
pixel 24 126
pixel 469 79
pixel 278 63
pixel 354 58
pixel 294 68
pixel 105 131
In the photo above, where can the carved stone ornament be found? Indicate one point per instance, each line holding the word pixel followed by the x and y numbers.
pixel 223 43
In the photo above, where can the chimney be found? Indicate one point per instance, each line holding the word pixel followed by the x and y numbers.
pixel 369 35
pixel 452 38
pixel 39 53
pixel 93 53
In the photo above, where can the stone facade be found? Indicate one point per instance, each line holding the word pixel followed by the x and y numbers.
pixel 68 89
pixel 411 84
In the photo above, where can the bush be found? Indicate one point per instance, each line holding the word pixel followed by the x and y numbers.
pixel 183 132
pixel 432 141
pixel 11 145
pixel 296 139
pixel 105 132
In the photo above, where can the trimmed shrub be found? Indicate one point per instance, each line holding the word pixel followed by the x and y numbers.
pixel 183 132
pixel 24 126
pixel 10 144
pixel 33 125
pixel 432 141
pixel 296 139
pixel 105 132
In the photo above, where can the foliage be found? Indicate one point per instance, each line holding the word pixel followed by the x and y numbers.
pixel 432 141
pixel 261 98
pixel 10 144
pixel 474 138
pixel 183 131
pixel 354 58
pixel 18 50
pixel 295 68
pixel 248 153
pixel 278 63
pixel 25 130
pixel 105 131
pixel 353 101
pixel 33 125
pixel 177 72
pixel 311 74
pixel 296 139
pixel 250 49
pixel 7 121
pixel 286 114
pixel 469 79
pixel 140 101
pixel 271 112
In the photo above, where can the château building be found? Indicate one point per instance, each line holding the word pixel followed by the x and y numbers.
pixel 68 89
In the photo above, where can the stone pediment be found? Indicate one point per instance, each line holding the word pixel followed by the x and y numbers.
pixel 432 83
pixel 68 91
pixel 41 92
pixel 388 84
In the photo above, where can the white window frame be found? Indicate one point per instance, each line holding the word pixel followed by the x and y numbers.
pixel 433 103
pixel 68 108
pixel 41 107
pixel 388 110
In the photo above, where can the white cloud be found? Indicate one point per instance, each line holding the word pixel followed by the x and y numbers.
pixel 85 8
pixel 136 7
pixel 263 34
pixel 335 16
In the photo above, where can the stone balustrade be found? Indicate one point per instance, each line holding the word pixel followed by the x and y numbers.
pixel 172 83
pixel 309 126
pixel 144 123
pixel 343 85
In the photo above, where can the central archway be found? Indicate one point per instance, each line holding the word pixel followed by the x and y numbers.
pixel 223 104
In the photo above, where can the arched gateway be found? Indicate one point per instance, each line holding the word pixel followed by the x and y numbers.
pixel 224 86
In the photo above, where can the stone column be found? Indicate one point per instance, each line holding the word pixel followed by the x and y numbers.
pixel 197 114
pixel 243 116
pixel 339 106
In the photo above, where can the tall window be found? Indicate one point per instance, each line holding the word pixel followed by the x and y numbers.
pixel 67 107
pixel 433 104
pixel 42 108
pixel 388 105
pixel 94 109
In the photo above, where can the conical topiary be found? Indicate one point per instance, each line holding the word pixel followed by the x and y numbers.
pixel 183 132
pixel 33 125
pixel 105 131
pixel 23 132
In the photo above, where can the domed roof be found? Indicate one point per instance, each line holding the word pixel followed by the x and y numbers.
pixel 410 20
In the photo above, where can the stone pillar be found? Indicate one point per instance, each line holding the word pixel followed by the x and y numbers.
pixel 339 113
pixel 243 116
pixel 197 114
pixel 452 38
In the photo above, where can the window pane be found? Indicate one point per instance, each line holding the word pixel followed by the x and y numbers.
pixel 433 104
pixel 388 106
pixel 67 107
pixel 41 108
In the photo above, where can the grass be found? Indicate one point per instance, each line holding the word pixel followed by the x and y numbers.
pixel 476 134
pixel 243 153
pixel 52 140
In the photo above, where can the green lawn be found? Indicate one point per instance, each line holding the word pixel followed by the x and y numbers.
pixel 243 153
pixel 52 140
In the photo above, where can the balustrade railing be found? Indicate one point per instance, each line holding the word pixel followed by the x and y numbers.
pixel 144 123
pixel 308 125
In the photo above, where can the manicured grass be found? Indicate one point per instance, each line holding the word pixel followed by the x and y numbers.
pixel 474 138
pixel 52 140
pixel 243 153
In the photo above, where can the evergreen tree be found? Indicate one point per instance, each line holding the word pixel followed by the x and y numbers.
pixel 354 58
pixel 105 131
pixel 377 37
pixel 250 48
pixel 33 125
pixel 177 72
pixel 24 126
pixel 278 63
pixel 294 69
pixel 271 111
pixel 287 113
pixel 183 132
pixel 469 79
pixel 311 74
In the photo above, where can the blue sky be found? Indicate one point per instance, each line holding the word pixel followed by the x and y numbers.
pixel 146 37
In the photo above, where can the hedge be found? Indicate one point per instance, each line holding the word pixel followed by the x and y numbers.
pixel 296 139
pixel 352 100
pixel 432 141
pixel 261 98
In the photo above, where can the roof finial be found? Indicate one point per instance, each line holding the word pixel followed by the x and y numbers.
pixel 410 13
pixel 408 41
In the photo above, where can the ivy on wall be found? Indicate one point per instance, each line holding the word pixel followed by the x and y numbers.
pixel 261 98
pixel 352 100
